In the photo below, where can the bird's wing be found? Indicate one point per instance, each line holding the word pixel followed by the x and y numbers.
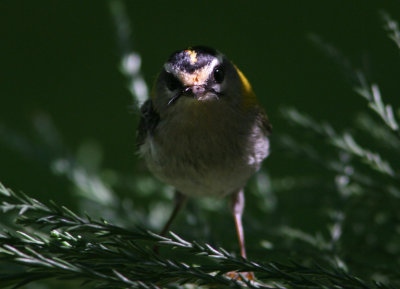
pixel 149 120
pixel 263 121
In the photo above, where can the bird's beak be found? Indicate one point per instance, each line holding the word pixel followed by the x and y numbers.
pixel 199 92
pixel 194 91
pixel 186 91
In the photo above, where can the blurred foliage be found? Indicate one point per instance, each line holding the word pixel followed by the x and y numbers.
pixel 323 210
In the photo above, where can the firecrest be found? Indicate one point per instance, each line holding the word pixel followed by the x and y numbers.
pixel 203 130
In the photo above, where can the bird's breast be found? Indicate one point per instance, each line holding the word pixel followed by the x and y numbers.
pixel 211 152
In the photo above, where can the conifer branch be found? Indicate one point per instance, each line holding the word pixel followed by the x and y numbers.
pixel 392 27
pixel 69 246
pixel 131 61
pixel 344 142
pixel 373 95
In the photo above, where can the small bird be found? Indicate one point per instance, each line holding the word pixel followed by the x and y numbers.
pixel 203 130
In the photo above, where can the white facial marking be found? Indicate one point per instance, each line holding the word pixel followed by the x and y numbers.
pixel 198 77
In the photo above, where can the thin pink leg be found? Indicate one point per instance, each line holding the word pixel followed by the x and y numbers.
pixel 237 206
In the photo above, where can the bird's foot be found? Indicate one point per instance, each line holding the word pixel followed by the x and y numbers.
pixel 248 276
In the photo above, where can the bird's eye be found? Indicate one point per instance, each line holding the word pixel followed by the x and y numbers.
pixel 172 82
pixel 219 74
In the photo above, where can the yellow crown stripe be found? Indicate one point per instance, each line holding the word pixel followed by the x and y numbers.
pixel 193 55
pixel 249 98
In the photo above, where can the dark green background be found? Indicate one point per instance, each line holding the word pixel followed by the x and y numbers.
pixel 61 58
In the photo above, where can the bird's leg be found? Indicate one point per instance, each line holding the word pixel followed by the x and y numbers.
pixel 180 201
pixel 237 207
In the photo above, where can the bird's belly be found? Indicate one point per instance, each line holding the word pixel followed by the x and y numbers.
pixel 209 181
pixel 204 165
pixel 202 179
